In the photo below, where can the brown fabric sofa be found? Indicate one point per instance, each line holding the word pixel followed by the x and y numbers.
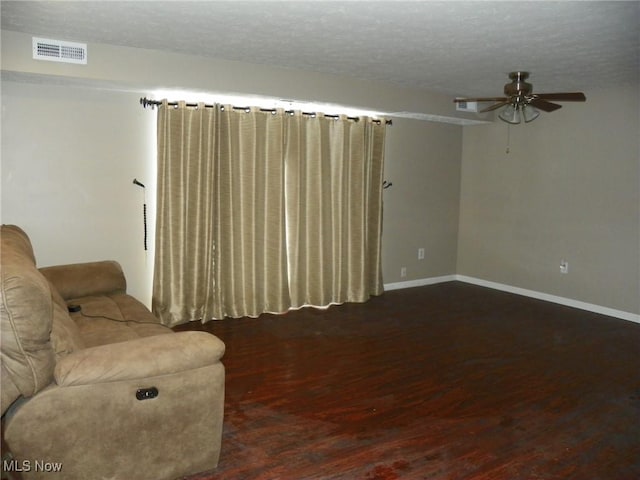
pixel 93 386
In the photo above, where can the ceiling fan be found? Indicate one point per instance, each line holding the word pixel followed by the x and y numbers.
pixel 521 102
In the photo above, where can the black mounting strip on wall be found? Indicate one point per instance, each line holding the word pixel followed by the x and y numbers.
pixel 144 211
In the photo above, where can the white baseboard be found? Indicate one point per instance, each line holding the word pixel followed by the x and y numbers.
pixel 569 302
pixel 420 282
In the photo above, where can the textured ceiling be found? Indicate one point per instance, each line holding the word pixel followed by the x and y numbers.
pixel 454 47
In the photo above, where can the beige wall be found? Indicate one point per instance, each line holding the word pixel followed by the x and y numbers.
pixel 69 157
pixel 74 137
pixel 568 190
pixel 142 70
pixel 421 207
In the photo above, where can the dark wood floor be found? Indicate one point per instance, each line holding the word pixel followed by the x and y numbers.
pixel 450 381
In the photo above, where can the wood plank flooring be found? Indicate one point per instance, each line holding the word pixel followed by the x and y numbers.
pixel 450 381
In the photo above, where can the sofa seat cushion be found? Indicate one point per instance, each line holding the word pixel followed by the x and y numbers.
pixel 113 318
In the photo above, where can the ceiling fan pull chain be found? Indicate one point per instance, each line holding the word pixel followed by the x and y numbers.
pixel 508 139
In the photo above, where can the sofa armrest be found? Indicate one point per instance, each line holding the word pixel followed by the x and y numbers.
pixel 86 279
pixel 140 358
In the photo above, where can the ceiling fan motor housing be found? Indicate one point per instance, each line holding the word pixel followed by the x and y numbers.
pixel 518 89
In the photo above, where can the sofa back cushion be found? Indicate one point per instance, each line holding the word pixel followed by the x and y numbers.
pixel 16 242
pixel 65 335
pixel 86 279
pixel 26 311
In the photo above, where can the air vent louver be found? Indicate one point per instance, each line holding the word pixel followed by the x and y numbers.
pixel 59 51
pixel 467 106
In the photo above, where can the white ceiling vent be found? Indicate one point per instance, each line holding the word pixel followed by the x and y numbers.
pixel 467 106
pixel 59 51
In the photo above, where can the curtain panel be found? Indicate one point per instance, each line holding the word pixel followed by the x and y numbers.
pixel 334 209
pixel 185 228
pixel 265 211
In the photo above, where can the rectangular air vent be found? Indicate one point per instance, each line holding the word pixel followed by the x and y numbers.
pixel 467 106
pixel 59 51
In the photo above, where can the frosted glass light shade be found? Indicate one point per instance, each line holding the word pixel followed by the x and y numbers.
pixel 529 113
pixel 510 114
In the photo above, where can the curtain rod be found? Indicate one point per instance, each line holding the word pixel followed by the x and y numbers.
pixel 145 102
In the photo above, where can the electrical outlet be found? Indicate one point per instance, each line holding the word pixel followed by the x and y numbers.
pixel 564 266
pixel 403 272
pixel 421 254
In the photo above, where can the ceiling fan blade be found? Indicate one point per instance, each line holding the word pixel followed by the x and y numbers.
pixel 495 106
pixel 544 105
pixel 563 97
pixel 492 99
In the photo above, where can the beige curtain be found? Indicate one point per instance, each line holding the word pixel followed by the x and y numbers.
pixel 263 212
pixel 220 232
pixel 185 227
pixel 250 277
pixel 334 209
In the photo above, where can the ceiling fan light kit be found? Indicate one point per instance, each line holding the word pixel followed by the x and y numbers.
pixel 514 113
pixel 520 103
